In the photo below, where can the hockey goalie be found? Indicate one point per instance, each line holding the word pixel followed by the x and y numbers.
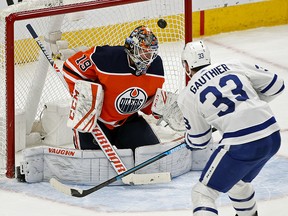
pixel 110 87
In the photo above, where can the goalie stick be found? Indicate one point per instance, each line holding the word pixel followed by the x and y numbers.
pixel 102 140
pixel 82 193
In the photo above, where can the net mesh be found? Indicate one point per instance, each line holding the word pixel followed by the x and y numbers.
pixel 35 82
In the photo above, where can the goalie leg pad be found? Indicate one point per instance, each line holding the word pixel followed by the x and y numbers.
pixel 87 167
pixel 177 163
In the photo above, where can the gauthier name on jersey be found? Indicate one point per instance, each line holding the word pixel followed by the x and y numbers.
pixel 208 75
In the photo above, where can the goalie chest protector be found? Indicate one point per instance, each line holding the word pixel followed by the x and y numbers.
pixel 124 93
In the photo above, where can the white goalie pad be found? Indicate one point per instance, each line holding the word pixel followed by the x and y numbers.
pixel 91 167
pixel 86 106
pixel 177 163
pixel 165 105
pixel 87 167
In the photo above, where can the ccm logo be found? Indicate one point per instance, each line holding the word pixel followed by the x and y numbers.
pixel 73 105
pixel 156 101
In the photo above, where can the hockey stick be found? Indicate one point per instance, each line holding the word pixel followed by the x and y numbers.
pixel 102 140
pixel 10 2
pixel 82 193
pixel 119 167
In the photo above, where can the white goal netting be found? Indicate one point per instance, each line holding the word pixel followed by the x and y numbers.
pixel 29 85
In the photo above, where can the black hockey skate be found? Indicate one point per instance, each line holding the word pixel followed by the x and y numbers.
pixel 20 177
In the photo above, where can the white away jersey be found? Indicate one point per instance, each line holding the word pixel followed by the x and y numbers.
pixel 232 97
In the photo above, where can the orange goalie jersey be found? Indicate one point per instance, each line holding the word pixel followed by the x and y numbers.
pixel 124 93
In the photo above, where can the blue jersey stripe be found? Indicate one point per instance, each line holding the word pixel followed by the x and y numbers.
pixel 250 130
pixel 199 145
pixel 199 135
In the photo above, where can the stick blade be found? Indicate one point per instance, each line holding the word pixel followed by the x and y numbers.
pixel 65 189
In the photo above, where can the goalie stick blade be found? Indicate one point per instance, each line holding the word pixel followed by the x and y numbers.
pixel 75 192
pixel 64 188
pixel 149 178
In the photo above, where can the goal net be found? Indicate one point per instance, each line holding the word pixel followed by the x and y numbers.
pixel 29 86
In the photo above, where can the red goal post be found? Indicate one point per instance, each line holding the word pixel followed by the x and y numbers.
pixel 27 82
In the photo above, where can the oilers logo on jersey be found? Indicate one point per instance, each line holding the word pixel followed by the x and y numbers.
pixel 131 100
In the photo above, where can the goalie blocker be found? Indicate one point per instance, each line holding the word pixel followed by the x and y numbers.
pixel 87 101
pixel 91 167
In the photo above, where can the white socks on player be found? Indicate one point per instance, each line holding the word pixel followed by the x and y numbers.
pixel 243 199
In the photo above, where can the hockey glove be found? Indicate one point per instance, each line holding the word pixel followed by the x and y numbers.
pixel 86 106
pixel 165 108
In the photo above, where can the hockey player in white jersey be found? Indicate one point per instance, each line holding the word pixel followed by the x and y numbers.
pixel 233 98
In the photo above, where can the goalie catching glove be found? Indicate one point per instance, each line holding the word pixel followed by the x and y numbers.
pixel 86 106
pixel 166 108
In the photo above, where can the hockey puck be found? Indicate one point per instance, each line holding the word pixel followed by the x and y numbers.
pixel 162 23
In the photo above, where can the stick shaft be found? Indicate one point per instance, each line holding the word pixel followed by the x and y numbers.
pixel 43 49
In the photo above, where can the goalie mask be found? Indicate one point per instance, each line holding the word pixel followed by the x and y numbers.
pixel 195 54
pixel 142 48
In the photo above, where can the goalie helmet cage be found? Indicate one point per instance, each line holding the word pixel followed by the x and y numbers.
pixel 27 82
